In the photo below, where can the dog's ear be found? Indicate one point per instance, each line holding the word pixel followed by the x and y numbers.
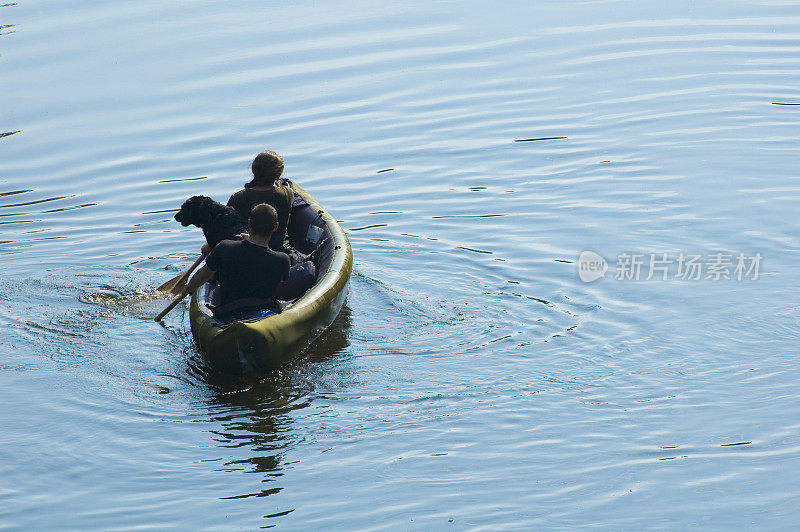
pixel 204 213
pixel 216 211
pixel 229 217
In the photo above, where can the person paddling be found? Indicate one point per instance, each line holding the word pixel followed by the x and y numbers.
pixel 248 270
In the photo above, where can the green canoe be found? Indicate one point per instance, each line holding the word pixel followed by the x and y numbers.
pixel 263 344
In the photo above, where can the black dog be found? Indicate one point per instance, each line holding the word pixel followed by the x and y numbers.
pixel 218 222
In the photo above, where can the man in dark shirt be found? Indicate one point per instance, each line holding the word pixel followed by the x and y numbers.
pixel 248 270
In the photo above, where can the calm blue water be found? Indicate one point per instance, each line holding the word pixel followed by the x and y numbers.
pixel 473 382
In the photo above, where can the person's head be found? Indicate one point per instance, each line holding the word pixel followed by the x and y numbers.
pixel 263 220
pixel 267 167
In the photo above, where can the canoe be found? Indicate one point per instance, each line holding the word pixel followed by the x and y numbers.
pixel 263 344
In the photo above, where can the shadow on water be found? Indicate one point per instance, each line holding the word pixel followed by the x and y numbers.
pixel 256 415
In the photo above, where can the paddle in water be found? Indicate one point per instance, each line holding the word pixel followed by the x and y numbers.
pixel 172 305
pixel 176 284
pixel 203 275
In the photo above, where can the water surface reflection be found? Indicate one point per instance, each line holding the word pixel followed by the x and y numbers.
pixel 256 416
pixel 483 383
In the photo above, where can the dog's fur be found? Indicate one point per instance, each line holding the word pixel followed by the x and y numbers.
pixel 218 222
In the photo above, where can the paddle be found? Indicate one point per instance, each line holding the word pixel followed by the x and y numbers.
pixel 203 275
pixel 173 304
pixel 176 284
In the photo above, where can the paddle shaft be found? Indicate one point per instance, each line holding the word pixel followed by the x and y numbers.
pixel 172 305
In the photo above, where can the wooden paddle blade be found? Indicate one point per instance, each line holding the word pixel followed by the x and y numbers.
pixel 169 285
pixel 180 284
pixel 177 284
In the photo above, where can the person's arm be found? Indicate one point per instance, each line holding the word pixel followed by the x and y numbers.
pixel 286 267
pixel 202 276
pixel 205 273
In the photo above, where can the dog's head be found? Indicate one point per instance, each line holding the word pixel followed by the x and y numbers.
pixel 192 211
